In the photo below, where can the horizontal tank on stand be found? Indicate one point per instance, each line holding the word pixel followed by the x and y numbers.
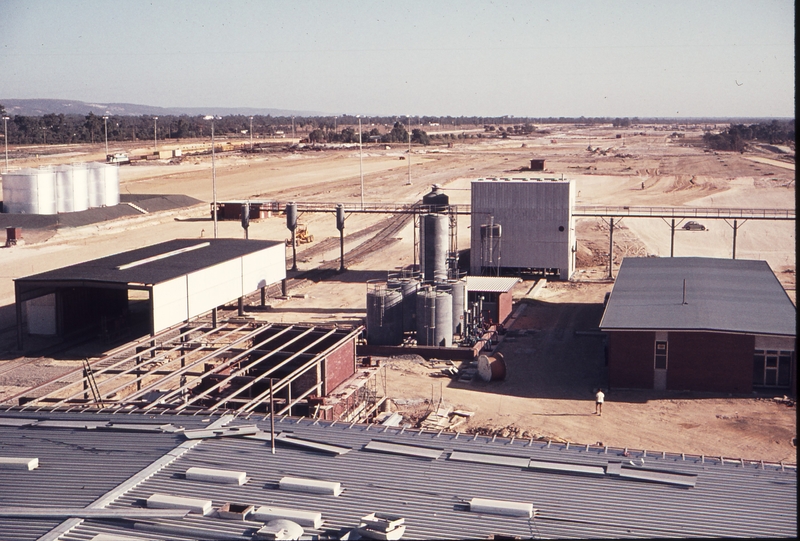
pixel 384 315
pixel 434 317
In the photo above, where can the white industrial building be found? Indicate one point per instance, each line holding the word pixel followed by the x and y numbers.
pixel 522 224
pixel 149 289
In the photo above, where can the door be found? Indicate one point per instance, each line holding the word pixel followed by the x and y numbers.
pixel 660 367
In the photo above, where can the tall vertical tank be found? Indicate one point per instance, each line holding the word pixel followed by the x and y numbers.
pixel 458 289
pixel 434 317
pixel 30 191
pixel 435 200
pixel 408 289
pixel 434 240
pixel 384 315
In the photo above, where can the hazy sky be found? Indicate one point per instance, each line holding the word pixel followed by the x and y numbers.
pixel 431 57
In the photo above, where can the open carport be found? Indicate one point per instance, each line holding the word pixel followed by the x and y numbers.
pixel 148 289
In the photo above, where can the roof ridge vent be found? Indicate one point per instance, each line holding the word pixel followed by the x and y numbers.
pixel 210 475
pixel 312 486
pixel 501 507
pixel 165 501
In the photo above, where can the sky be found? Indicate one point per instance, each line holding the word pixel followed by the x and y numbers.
pixel 614 58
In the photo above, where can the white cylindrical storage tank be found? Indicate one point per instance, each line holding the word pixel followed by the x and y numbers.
pixel 64 190
pixel 434 239
pixel 458 288
pixel 408 288
pixel 97 185
pixel 111 190
pixel 434 317
pixel 384 315
pixel 80 187
pixel 29 191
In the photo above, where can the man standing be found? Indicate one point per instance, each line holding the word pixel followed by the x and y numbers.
pixel 598 402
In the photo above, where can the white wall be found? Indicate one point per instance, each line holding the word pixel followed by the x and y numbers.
pixel 41 313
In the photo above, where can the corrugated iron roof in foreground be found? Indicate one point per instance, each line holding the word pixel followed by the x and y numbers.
pixel 730 499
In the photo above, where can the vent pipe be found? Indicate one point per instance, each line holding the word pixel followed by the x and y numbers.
pixel 684 292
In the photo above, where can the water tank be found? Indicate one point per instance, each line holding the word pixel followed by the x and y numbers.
pixel 384 315
pixel 97 185
pixel 111 192
pixel 30 191
pixel 80 187
pixel 64 191
pixel 408 289
pixel 435 200
pixel 434 240
pixel 434 317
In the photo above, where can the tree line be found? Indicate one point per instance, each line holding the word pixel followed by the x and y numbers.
pixel 737 136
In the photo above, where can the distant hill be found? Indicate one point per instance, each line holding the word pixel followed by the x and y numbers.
pixel 37 107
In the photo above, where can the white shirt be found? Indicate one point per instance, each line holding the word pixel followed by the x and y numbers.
pixel 599 397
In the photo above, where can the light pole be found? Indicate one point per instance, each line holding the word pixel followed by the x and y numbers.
pixel 360 160
pixel 213 175
pixel 409 149
pixel 5 137
pixel 292 126
pixel 155 132
pixel 334 123
pixel 251 133
pixel 105 125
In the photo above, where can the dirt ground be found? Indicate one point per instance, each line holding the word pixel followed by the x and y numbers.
pixel 552 371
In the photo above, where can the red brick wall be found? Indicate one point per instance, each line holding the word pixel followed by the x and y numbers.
pixel 340 365
pixel 504 303
pixel 700 361
pixel 697 361
pixel 630 359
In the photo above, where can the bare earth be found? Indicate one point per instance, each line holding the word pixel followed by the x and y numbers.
pixel 552 372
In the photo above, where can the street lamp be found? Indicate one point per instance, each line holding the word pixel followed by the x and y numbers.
pixel 360 160
pixel 105 124
pixel 212 118
pixel 251 133
pixel 155 132
pixel 292 126
pixel 409 148
pixel 5 137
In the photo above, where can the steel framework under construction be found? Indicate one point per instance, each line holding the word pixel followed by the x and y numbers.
pixel 235 367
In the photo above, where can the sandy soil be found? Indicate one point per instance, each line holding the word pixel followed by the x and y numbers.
pixel 552 371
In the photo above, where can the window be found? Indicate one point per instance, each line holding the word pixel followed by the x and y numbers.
pixel 661 355
pixel 772 368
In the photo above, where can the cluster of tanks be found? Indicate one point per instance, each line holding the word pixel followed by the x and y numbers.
pixel 63 188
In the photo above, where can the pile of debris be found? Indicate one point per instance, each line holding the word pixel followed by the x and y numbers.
pixel 445 418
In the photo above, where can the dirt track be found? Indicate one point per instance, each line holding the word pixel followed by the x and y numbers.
pixel 553 370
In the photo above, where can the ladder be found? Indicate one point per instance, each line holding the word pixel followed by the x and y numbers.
pixel 89 377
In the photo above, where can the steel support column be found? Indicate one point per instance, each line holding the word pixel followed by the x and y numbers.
pixel 672 239
pixel 735 229
pixel 611 250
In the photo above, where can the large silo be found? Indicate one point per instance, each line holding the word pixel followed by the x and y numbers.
pixel 459 292
pixel 434 240
pixel 408 289
pixel 64 190
pixel 111 191
pixel 434 317
pixel 538 232
pixel 30 191
pixel 384 315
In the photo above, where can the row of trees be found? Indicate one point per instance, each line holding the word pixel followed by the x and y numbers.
pixel 737 136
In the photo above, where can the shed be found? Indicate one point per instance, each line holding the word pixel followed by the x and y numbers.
pixel 494 293
pixel 701 324
pixel 537 165
pixel 148 289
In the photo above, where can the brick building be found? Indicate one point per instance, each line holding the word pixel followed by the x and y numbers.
pixel 700 324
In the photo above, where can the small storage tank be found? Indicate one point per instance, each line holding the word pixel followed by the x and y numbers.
pixel 408 289
pixel 434 317
pixel 384 315
pixel 30 191
pixel 434 240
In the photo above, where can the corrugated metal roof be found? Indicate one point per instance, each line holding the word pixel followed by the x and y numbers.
pixel 105 269
pixel 725 295
pixel 730 499
pixel 491 284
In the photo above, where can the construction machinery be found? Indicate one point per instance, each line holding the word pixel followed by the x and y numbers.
pixel 301 236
